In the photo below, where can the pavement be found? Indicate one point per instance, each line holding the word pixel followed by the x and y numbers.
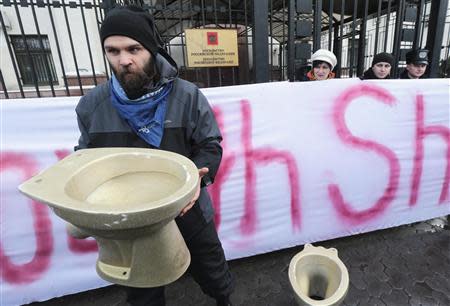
pixel 406 265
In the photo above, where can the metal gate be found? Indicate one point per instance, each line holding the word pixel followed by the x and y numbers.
pixel 52 48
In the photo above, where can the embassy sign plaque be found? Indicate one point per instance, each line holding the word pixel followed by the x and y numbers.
pixel 211 48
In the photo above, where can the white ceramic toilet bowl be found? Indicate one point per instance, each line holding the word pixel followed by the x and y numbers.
pixel 318 277
pixel 127 199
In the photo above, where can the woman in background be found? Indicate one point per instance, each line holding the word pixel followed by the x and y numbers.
pixel 323 63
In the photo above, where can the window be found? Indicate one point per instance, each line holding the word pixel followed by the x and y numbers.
pixel 40 57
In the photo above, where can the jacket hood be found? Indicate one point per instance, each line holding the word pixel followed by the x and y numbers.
pixel 166 66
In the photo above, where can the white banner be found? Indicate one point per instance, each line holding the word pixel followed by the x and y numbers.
pixel 303 162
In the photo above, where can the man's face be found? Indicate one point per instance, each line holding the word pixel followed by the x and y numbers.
pixel 132 64
pixel 381 69
pixel 415 71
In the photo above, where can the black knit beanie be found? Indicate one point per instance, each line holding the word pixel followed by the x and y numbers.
pixel 383 57
pixel 133 22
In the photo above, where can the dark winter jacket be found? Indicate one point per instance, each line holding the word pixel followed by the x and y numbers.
pixel 404 75
pixel 190 128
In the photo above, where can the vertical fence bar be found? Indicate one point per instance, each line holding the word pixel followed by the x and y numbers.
pixel 27 50
pixel 424 21
pixel 2 81
pixel 435 34
pixel 58 48
pixel 166 31
pixel 388 16
pixel 317 25
pixel 260 33
pixel 107 73
pixel 283 44
pixel 217 25
pixel 41 44
pixel 197 74
pixel 72 46
pixel 231 22
pixel 398 35
pixel 246 38
pixel 377 28
pixel 330 25
pixel 291 42
pixel 271 42
pixel 352 48
pixel 11 55
pixel 336 44
pixel 362 40
pixel 418 25
pixel 182 35
pixel 91 60
pixel 446 58
pixel 208 75
pixel 341 39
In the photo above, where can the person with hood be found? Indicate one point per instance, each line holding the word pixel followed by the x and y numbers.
pixel 146 105
pixel 416 64
pixel 382 64
pixel 323 63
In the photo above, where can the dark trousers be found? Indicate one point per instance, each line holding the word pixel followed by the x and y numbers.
pixel 208 265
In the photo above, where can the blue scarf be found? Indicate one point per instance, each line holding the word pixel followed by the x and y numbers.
pixel 144 115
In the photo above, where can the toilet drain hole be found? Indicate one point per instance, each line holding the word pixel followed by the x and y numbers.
pixel 317 297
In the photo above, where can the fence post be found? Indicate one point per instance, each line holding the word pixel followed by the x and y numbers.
pixel 435 34
pixel 260 41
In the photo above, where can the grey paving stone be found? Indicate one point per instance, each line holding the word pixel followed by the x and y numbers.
pixel 375 287
pixel 418 292
pixel 376 269
pixel 413 259
pixel 356 297
pixel 395 261
pixel 424 301
pixel 357 279
pixel 441 298
pixel 396 297
pixel 358 260
pixel 398 278
pixel 267 286
pixel 374 301
pixel 438 283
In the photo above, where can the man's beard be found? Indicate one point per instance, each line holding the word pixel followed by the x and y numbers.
pixel 136 83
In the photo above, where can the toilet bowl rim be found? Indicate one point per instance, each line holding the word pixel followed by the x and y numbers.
pixel 65 202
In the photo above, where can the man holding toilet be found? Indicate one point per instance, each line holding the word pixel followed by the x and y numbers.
pixel 146 105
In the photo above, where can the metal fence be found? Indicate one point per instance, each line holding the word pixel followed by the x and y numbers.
pixel 357 30
pixel 52 48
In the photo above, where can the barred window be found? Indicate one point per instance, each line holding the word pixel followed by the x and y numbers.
pixel 39 59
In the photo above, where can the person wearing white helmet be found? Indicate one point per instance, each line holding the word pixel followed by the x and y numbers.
pixel 323 63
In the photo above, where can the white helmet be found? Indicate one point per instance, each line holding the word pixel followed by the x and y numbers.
pixel 325 56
